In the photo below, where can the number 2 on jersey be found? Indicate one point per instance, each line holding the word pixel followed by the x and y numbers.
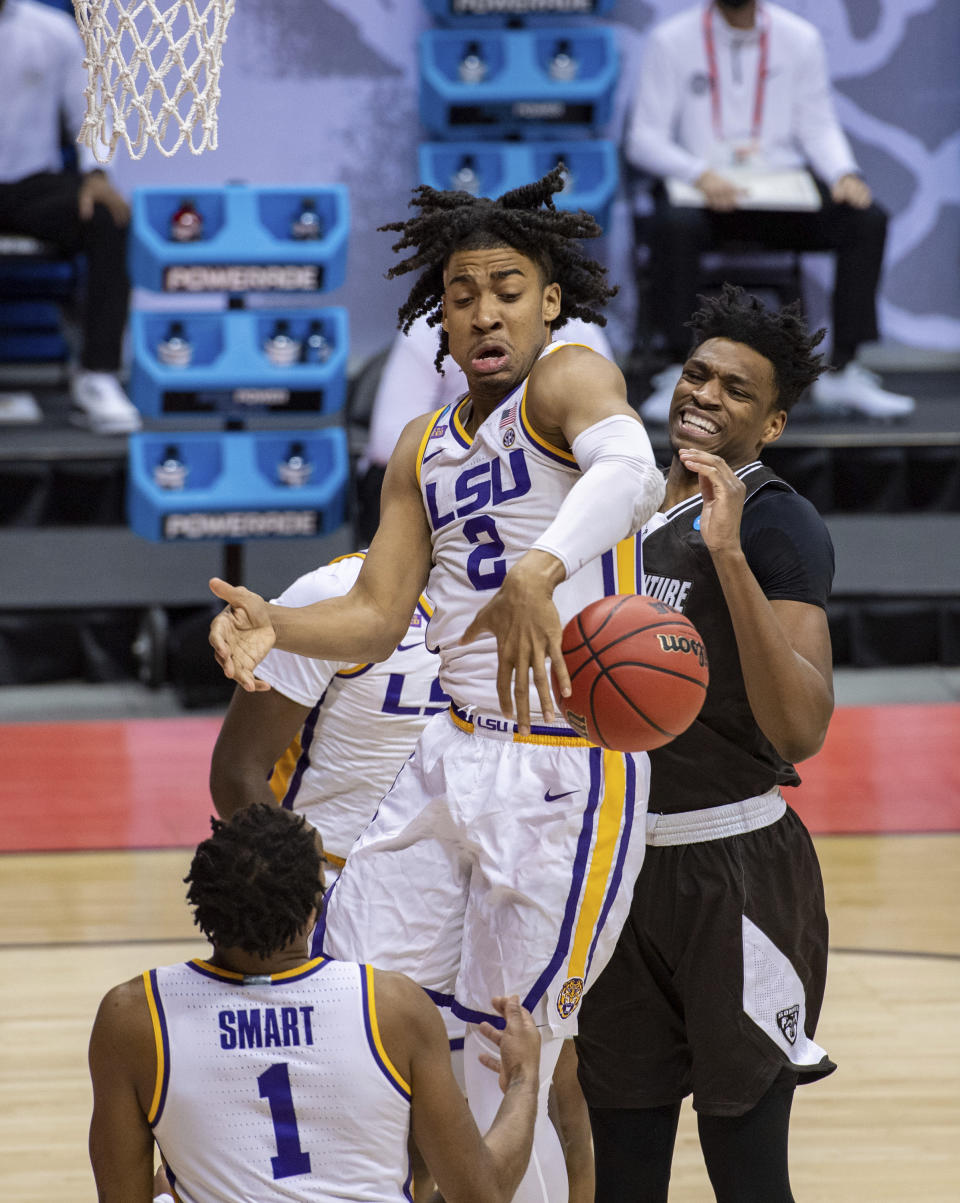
pixel 482 530
pixel 275 1088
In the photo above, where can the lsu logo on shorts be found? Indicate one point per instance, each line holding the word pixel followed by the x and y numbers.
pixel 569 997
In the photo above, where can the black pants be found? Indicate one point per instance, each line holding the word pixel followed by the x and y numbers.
pixel 745 1155
pixel 681 234
pixel 45 206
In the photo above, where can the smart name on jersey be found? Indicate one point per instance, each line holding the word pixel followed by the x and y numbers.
pixel 266 1027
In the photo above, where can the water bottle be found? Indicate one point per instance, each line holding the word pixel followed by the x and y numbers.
pixel 186 225
pixel 316 347
pixel 472 67
pixel 563 66
pixel 281 349
pixel 307 226
pixel 170 472
pixel 296 469
pixel 176 350
pixel 465 178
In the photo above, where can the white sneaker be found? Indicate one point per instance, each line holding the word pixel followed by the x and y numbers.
pixel 857 390
pixel 19 407
pixel 101 405
pixel 656 408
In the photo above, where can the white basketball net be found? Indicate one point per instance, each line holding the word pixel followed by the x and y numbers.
pixel 132 45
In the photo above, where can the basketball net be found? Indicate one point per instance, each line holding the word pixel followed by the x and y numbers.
pixel 132 46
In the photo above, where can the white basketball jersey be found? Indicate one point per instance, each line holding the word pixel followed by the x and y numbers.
pixel 276 1087
pixel 364 718
pixel 487 500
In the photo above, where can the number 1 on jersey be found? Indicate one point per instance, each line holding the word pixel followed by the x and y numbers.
pixel 275 1088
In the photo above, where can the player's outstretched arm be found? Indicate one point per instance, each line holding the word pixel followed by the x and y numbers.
pixel 577 402
pixel 122 1060
pixel 467 1167
pixel 368 622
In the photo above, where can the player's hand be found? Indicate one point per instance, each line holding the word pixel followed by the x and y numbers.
pixel 519 1044
pixel 719 193
pixel 852 190
pixel 524 620
pixel 96 189
pixel 723 496
pixel 241 635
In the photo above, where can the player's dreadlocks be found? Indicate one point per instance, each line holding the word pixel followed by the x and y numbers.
pixel 524 219
pixel 782 337
pixel 254 882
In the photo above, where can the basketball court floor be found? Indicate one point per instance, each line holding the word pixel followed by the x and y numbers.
pixel 104 792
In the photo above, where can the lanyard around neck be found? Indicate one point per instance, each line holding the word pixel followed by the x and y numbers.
pixel 763 20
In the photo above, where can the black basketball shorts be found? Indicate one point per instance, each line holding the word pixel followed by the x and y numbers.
pixel 718 977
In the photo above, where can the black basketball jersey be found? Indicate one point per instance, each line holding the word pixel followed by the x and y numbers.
pixel 724 756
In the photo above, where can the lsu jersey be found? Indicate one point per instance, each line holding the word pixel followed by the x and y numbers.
pixel 276 1087
pixel 488 499
pixel 364 718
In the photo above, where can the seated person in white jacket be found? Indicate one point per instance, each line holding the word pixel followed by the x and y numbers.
pixel 741 87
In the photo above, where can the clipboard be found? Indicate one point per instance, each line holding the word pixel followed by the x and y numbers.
pixel 787 190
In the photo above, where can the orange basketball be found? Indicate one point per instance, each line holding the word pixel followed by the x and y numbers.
pixel 638 670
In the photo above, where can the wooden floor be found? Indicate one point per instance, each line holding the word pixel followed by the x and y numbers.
pixel 884 1129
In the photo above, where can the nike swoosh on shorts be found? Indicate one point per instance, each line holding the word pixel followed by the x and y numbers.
pixel 550 797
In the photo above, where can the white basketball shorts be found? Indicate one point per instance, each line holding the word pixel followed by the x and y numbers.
pixel 497 864
pixel 456 1028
